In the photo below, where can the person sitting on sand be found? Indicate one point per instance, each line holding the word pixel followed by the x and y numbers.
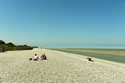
pixel 35 57
pixel 43 56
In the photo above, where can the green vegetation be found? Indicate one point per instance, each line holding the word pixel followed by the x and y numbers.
pixel 10 46
pixel 117 55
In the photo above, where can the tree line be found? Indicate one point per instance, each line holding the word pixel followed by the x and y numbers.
pixel 11 46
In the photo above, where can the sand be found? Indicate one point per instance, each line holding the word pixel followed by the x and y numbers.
pixel 60 67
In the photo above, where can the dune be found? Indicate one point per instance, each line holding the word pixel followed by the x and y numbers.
pixel 61 67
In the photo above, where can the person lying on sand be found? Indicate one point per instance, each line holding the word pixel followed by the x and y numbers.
pixel 90 59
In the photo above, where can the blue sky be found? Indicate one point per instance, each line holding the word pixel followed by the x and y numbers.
pixel 63 23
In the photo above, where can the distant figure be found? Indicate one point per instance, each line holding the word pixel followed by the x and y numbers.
pixel 35 57
pixel 90 59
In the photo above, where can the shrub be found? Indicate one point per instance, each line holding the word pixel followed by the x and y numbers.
pixel 24 47
pixel 2 42
pixel 10 46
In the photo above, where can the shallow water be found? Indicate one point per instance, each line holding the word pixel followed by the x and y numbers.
pixel 116 58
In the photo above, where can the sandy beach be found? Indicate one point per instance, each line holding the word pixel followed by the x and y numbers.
pixel 60 67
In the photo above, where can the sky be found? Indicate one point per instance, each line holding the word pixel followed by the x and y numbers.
pixel 63 23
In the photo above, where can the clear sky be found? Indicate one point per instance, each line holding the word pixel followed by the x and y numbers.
pixel 63 23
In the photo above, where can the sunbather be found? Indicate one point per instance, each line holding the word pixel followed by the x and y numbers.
pixel 43 57
pixel 35 57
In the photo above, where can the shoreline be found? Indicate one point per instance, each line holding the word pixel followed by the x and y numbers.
pixel 99 55
pixel 83 58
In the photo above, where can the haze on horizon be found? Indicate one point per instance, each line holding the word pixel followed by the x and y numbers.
pixel 63 23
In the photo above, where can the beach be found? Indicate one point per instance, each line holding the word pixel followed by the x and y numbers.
pixel 61 67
